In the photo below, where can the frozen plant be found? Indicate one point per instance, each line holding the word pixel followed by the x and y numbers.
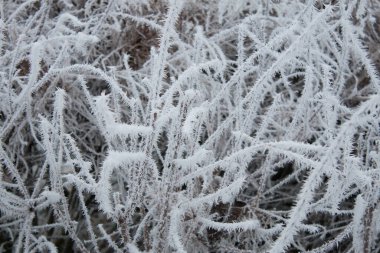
pixel 189 126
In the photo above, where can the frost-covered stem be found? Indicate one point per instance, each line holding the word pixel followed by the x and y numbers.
pixel 159 65
pixel 109 239
pixel 87 220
